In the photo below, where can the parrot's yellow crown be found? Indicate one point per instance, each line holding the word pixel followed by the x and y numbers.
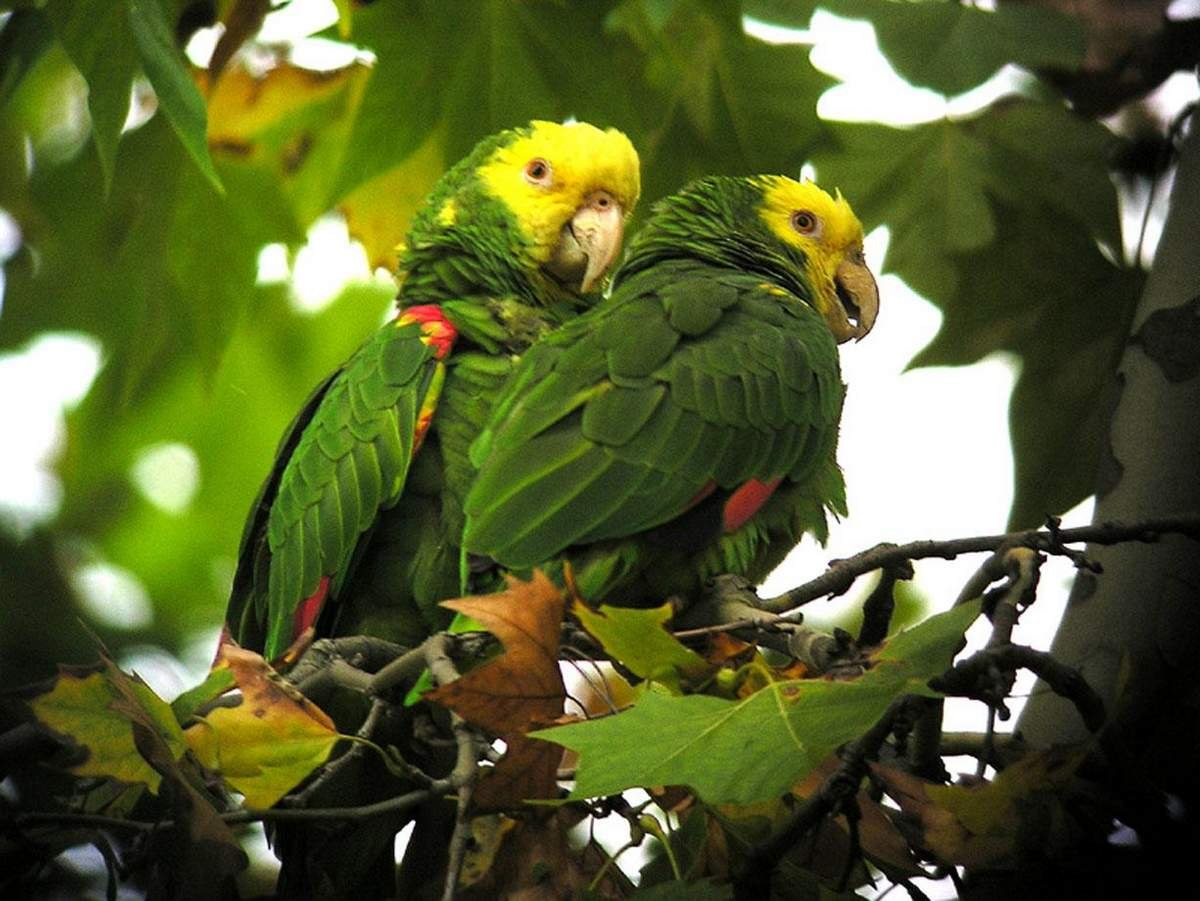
pixel 546 175
pixel 835 225
pixel 826 231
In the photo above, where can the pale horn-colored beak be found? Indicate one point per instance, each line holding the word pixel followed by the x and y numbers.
pixel 598 227
pixel 853 315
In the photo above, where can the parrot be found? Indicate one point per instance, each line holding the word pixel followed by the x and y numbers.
pixel 355 530
pixel 685 428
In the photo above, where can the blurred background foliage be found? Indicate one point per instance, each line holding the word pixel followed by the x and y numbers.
pixel 157 155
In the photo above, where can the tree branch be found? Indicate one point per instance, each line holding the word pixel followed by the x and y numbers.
pixel 841 573
pixel 838 789
pixel 466 766
pixel 969 678
pixel 881 604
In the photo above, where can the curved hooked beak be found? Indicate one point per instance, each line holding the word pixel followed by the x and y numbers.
pixel 590 242
pixel 858 299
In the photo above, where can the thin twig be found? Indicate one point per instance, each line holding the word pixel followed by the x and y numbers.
pixel 841 574
pixel 404 670
pixel 1023 567
pixel 1005 747
pixel 436 651
pixel 925 748
pixel 52 818
pixel 839 788
pixel 881 604
pixel 596 681
pixel 761 622
pixel 331 769
pixel 989 743
pixel 397 804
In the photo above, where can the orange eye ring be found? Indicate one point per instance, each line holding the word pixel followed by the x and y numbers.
pixel 538 172
pixel 805 223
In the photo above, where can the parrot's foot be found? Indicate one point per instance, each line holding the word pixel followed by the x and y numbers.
pixel 726 598
pixel 730 599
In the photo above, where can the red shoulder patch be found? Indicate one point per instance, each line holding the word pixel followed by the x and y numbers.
pixel 436 330
pixel 745 502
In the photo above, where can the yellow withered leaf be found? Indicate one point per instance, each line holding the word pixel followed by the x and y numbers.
pixel 267 744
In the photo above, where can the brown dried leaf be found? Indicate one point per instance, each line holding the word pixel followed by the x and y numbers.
pixel 987 823
pixel 534 861
pixel 878 836
pixel 723 647
pixel 519 690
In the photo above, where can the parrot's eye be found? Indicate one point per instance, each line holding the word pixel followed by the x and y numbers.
pixel 806 223
pixel 538 172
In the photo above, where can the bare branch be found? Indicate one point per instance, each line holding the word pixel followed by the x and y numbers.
pixel 839 789
pixel 881 604
pixel 969 678
pixel 841 573
pixel 466 767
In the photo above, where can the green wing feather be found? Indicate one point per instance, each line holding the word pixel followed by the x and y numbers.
pixel 614 424
pixel 344 460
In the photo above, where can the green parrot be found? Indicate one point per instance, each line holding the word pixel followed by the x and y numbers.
pixel 356 529
pixel 687 426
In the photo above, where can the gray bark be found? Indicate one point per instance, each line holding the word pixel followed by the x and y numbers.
pixel 1134 630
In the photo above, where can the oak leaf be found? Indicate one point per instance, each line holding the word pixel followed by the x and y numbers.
pixel 516 691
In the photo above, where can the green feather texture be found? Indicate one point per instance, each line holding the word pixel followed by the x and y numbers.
pixel 706 368
pixel 365 495
pixel 349 498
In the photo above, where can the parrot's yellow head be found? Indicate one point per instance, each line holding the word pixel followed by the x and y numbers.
pixel 805 243
pixel 829 236
pixel 537 212
pixel 570 188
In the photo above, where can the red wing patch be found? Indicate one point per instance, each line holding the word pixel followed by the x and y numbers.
pixel 745 502
pixel 436 330
pixel 310 609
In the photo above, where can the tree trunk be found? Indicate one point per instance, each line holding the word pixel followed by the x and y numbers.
pixel 1134 631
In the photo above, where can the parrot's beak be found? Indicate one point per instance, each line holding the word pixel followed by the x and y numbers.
pixel 858 299
pixel 590 242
